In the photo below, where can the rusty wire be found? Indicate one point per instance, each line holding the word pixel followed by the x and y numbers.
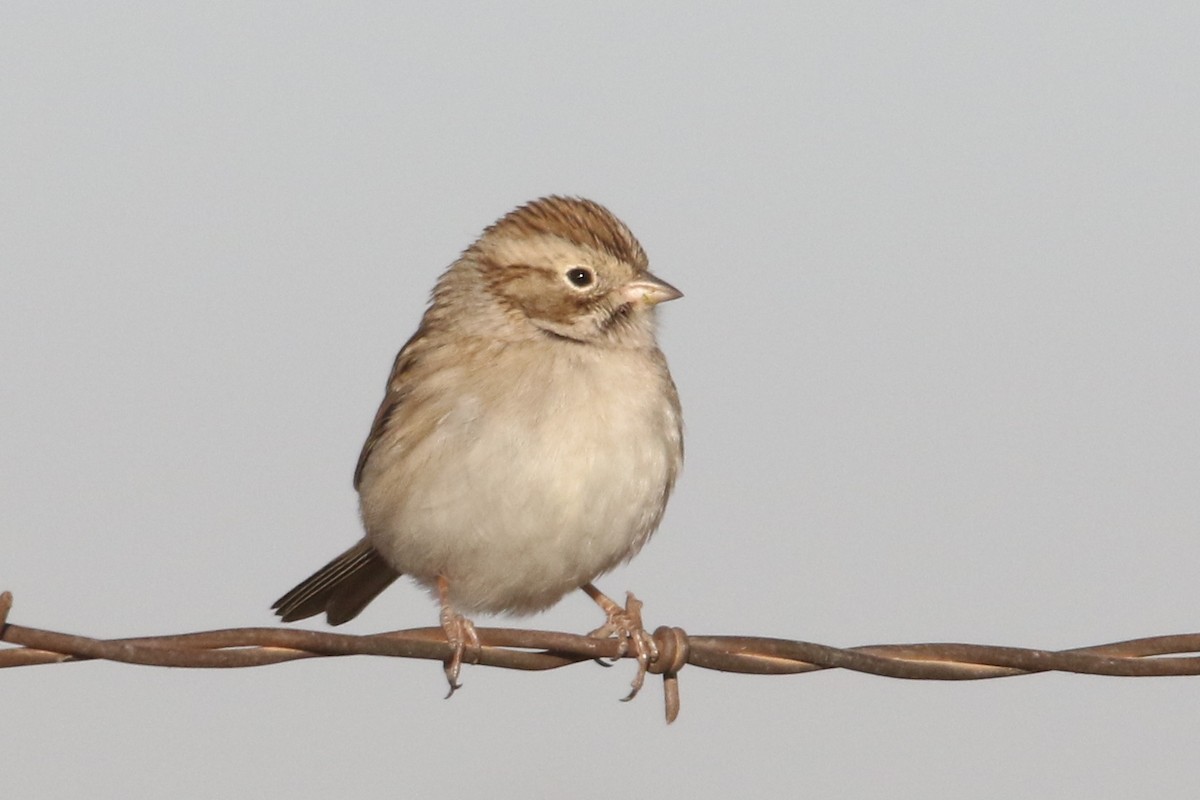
pixel 540 650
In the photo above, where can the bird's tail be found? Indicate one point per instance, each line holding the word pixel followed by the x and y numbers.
pixel 342 588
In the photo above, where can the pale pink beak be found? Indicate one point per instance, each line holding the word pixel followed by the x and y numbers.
pixel 650 290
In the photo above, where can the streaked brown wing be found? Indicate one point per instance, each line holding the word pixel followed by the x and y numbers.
pixel 392 399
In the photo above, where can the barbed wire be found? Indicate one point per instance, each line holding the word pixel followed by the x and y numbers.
pixel 512 648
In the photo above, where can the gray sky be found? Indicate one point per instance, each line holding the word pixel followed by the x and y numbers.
pixel 939 359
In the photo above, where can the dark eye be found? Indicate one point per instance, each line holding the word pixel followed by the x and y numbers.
pixel 580 277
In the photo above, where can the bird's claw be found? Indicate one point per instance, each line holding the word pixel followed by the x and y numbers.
pixel 625 624
pixel 461 635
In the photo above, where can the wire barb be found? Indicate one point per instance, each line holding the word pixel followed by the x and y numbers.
pixel 541 650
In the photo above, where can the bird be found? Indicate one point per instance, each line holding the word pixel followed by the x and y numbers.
pixel 529 436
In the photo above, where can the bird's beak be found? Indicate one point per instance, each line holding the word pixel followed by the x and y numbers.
pixel 650 290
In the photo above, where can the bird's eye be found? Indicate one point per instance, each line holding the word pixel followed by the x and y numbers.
pixel 581 277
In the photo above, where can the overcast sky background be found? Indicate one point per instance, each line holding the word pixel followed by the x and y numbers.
pixel 939 357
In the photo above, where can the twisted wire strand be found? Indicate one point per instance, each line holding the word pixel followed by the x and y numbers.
pixel 513 648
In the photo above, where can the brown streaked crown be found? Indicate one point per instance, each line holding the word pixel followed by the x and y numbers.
pixel 574 219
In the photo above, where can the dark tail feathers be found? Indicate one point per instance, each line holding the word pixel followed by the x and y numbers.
pixel 342 588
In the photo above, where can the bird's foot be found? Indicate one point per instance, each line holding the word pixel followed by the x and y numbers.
pixel 625 624
pixel 460 635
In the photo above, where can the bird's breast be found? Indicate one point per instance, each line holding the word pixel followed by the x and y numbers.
pixel 539 474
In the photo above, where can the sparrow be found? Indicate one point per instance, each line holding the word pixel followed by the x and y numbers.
pixel 529 436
